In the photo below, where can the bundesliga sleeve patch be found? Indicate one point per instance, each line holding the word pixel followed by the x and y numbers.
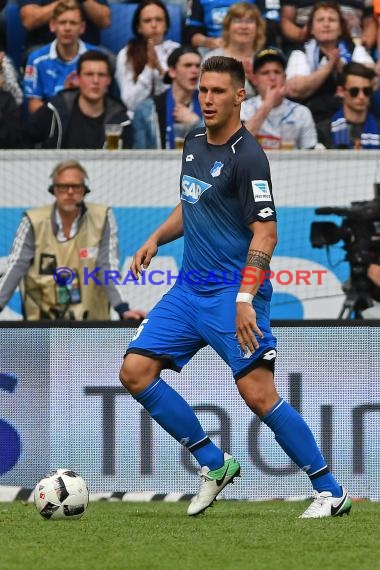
pixel 261 192
pixel 30 73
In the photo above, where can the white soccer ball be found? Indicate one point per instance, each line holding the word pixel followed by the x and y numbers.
pixel 61 494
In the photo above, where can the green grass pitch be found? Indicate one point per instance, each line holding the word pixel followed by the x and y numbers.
pixel 233 535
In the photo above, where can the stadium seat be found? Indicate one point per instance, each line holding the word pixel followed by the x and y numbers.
pixel 120 32
pixel 16 34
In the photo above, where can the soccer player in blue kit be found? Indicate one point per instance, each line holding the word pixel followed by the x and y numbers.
pixel 227 217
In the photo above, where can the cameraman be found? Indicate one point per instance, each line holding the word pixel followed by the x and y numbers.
pixel 373 273
pixel 54 245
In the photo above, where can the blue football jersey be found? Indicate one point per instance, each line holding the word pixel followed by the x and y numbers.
pixel 223 188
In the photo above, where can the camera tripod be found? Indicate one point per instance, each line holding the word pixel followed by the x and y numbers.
pixel 357 299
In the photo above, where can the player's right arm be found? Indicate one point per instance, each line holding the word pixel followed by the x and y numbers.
pixel 170 230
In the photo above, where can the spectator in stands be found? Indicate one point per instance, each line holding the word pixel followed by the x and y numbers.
pixel 36 15
pixel 142 64
pixel 375 102
pixel 312 73
pixel 3 26
pixel 203 27
pixel 376 14
pixel 66 234
pixel 52 68
pixel 75 118
pixel 295 15
pixel 9 78
pixel 352 126
pixel 275 121
pixel 11 135
pixel 243 36
pixel 163 122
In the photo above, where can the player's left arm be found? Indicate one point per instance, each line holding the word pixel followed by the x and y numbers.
pixel 258 259
pixel 254 188
pixel 109 261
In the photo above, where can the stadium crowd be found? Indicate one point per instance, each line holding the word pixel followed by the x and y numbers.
pixel 312 73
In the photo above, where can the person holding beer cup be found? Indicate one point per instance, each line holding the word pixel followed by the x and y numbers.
pixel 77 118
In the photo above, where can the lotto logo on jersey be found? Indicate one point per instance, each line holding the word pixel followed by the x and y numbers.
pixel 192 189
pixel 261 192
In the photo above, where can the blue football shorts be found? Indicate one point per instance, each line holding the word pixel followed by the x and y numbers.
pixel 183 322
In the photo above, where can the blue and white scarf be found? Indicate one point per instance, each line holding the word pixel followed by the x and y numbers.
pixel 340 133
pixel 313 53
pixel 170 104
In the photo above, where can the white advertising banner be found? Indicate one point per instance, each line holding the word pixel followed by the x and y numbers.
pixel 74 413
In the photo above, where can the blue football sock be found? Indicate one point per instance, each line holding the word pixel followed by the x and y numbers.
pixel 295 437
pixel 177 418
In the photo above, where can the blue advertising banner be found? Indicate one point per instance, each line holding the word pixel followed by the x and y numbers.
pixel 142 189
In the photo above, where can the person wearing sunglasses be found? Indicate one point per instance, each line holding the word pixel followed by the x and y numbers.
pixel 353 125
pixel 312 72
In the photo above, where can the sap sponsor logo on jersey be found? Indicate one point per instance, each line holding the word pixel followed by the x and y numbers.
pixel 261 192
pixel 216 169
pixel 192 189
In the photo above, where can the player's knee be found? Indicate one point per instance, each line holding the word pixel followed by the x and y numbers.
pixel 257 403
pixel 258 391
pixel 137 372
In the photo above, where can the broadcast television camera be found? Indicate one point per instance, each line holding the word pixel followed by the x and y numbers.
pixel 360 232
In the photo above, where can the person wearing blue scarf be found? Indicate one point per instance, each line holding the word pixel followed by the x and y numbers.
pixel 165 120
pixel 313 72
pixel 352 126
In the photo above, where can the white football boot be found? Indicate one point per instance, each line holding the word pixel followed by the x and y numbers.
pixel 325 505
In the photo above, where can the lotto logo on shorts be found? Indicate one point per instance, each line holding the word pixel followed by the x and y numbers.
pixel 269 355
pixel 261 192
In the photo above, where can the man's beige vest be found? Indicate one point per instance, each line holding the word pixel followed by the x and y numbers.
pixel 41 295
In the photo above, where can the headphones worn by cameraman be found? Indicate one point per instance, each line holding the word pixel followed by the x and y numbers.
pixel 65 166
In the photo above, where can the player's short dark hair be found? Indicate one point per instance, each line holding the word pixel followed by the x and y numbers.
pixel 358 69
pixel 223 64
pixel 93 55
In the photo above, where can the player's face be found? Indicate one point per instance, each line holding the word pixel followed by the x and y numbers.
pixel 68 27
pixel 152 23
pixel 68 190
pixel 219 99
pixel 187 70
pixel 93 80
